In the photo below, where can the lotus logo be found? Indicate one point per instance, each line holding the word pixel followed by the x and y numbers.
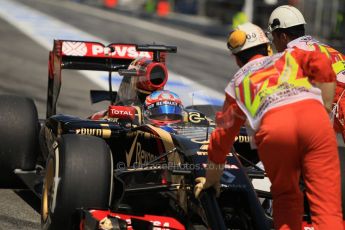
pixel 131 151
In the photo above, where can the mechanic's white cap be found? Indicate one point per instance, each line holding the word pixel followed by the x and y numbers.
pixel 285 16
pixel 246 36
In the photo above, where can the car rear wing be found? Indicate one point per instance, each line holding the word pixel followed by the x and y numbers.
pixel 85 55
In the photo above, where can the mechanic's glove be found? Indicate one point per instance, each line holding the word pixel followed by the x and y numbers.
pixel 213 174
pixel 105 224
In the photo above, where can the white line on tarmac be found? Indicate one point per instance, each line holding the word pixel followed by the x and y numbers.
pixel 139 23
pixel 44 29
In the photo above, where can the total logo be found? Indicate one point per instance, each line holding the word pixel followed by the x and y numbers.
pixel 123 112
pixel 120 112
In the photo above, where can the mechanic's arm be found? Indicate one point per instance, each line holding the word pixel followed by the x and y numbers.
pixel 229 123
pixel 328 92
pixel 318 67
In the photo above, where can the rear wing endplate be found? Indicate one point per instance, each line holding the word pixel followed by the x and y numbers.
pixel 84 55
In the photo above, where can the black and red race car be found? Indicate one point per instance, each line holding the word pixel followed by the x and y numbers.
pixel 112 170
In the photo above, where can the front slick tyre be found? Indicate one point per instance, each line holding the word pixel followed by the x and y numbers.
pixel 78 175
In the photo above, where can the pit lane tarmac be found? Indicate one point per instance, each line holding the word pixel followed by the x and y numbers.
pixel 24 214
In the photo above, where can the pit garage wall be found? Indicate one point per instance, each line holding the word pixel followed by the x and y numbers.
pixel 326 20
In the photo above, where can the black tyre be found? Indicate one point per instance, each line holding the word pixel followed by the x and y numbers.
pixel 237 219
pixel 19 127
pixel 78 175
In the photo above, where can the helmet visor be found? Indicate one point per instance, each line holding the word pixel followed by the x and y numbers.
pixel 166 113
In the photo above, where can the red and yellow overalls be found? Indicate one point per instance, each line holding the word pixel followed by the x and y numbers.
pixel 294 135
pixel 338 65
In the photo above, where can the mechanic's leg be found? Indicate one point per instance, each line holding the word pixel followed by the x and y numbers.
pixel 321 170
pixel 277 147
pixel 339 121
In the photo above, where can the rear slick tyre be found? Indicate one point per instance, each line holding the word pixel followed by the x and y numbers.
pixel 78 175
pixel 19 128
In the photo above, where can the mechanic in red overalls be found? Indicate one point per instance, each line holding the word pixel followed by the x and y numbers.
pixel 286 24
pixel 281 97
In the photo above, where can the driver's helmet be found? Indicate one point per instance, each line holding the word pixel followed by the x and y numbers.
pixel 163 107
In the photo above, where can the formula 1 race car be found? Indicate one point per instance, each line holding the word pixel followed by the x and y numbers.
pixel 112 170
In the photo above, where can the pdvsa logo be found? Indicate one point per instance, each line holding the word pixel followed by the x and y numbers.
pixel 124 51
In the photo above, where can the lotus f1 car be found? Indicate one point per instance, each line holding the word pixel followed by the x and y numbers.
pixel 111 170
